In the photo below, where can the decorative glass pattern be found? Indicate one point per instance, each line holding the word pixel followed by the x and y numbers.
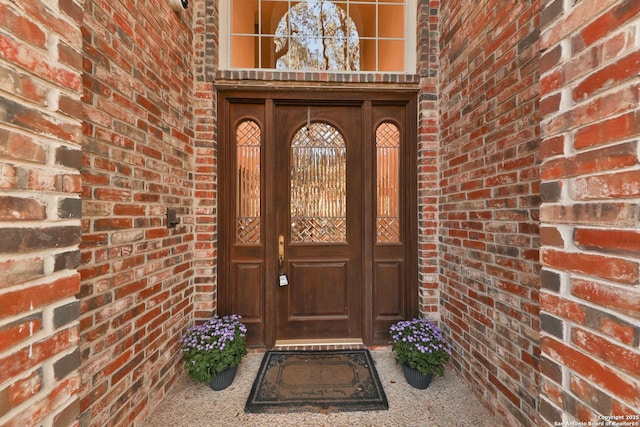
pixel 248 182
pixel 318 185
pixel 387 183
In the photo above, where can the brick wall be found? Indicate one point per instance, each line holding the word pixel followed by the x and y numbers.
pixel 428 38
pixel 206 158
pixel 136 296
pixel 590 298
pixel 489 183
pixel 40 184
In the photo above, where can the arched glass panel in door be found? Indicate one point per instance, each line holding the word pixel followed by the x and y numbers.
pixel 318 185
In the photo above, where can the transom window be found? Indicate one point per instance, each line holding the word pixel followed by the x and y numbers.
pixel 317 35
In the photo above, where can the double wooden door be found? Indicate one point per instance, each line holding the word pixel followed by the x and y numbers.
pixel 317 215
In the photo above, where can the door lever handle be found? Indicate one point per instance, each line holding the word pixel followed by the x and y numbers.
pixel 282 277
pixel 280 251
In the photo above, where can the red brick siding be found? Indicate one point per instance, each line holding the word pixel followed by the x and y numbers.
pixel 40 209
pixel 590 297
pixel 489 197
pixel 427 37
pixel 206 158
pixel 136 296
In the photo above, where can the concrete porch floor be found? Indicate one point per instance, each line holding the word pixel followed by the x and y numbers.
pixel 448 401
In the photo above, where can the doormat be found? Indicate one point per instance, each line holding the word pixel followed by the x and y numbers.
pixel 316 381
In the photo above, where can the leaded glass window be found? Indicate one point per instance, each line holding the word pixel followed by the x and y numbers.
pixel 248 179
pixel 318 185
pixel 387 183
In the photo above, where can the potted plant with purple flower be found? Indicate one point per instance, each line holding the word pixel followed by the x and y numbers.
pixel 420 349
pixel 212 351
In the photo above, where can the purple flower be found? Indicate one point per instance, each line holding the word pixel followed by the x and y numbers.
pixel 216 344
pixel 420 344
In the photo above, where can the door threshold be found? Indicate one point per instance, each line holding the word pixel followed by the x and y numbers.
pixel 320 342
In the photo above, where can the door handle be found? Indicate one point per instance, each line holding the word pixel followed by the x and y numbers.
pixel 282 277
pixel 280 251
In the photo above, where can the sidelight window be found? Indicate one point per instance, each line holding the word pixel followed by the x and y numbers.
pixel 387 183
pixel 248 143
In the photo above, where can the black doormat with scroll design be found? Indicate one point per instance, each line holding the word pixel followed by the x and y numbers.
pixel 316 381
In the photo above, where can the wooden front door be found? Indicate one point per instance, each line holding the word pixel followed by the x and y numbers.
pixel 318 206
pixel 317 209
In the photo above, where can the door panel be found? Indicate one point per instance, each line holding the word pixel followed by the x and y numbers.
pixel 248 279
pixel 321 291
pixel 388 301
